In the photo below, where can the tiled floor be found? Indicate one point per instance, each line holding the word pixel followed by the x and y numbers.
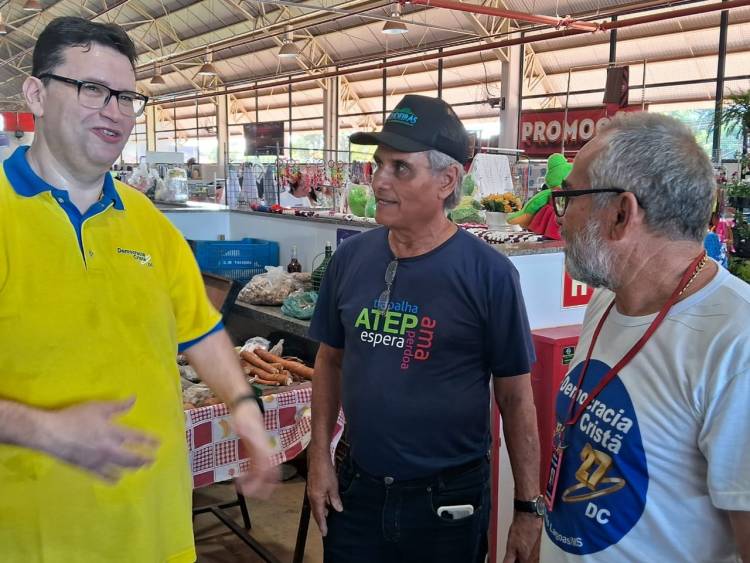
pixel 274 525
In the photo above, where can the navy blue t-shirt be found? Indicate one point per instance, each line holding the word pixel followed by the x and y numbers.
pixel 416 381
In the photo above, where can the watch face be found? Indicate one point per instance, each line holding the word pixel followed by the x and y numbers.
pixel 539 506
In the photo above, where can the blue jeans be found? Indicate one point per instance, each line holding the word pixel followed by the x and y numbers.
pixel 387 521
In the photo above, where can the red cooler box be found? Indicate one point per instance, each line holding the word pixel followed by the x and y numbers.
pixel 554 352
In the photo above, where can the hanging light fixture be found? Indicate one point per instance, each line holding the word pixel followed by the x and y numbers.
pixel 392 27
pixel 157 78
pixel 289 49
pixel 3 28
pixel 32 6
pixel 207 68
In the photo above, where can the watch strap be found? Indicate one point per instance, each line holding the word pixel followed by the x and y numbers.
pixel 534 506
pixel 248 397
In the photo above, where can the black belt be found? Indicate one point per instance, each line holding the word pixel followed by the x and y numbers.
pixel 448 473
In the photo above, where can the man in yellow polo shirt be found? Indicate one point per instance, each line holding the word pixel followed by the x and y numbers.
pixel 98 291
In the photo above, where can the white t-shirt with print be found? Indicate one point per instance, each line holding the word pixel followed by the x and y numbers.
pixel 663 452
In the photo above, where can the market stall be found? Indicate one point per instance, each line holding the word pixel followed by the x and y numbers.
pixel 216 453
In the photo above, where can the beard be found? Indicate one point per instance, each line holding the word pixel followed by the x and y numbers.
pixel 587 257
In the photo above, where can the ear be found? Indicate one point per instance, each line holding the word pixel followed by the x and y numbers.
pixel 624 217
pixel 35 95
pixel 447 182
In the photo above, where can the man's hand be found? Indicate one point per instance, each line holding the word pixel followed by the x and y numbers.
pixel 84 435
pixel 523 539
pixel 322 488
pixel 262 478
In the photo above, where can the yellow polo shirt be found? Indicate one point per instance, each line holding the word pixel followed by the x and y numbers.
pixel 94 307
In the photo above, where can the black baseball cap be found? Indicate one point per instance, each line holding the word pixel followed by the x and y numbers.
pixel 421 123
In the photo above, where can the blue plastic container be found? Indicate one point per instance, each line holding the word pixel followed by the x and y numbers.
pixel 239 260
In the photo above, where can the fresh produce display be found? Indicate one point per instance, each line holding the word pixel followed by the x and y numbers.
pixel 357 199
pixel 274 286
pixel 467 211
pixel 198 395
pixel 294 366
pixel 371 205
pixel 263 367
pixel 468 185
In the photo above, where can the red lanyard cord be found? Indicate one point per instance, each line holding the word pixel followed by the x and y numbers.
pixel 686 279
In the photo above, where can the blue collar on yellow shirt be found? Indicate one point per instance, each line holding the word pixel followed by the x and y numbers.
pixel 27 183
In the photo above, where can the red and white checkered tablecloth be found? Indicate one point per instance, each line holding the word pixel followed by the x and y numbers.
pixel 216 453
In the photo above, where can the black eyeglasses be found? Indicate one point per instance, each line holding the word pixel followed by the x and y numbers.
pixel 385 297
pixel 93 95
pixel 561 198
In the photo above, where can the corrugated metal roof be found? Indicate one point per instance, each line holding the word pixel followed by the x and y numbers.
pixel 171 27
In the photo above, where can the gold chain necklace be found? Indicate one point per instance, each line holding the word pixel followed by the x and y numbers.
pixel 697 271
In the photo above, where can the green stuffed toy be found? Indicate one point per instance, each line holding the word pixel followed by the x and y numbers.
pixel 558 169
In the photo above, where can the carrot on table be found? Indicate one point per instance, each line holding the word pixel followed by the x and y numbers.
pixel 295 367
pixel 256 361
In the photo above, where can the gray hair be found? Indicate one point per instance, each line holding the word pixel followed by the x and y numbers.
pixel 657 158
pixel 440 161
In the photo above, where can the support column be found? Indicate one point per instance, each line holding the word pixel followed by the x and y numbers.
pixel 330 123
pixel 613 44
pixel 150 128
pixel 440 76
pixel 222 133
pixel 385 93
pixel 721 68
pixel 510 88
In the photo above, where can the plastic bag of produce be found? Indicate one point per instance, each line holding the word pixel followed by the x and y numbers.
pixel 467 211
pixel 300 305
pixel 272 287
pixel 371 205
pixel 468 186
pixel 357 199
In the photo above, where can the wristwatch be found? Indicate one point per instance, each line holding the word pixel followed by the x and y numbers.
pixel 534 506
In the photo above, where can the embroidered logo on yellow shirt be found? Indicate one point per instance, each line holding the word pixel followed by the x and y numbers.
pixel 141 257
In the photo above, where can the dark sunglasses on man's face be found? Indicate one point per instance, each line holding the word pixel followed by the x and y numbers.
pixel 561 198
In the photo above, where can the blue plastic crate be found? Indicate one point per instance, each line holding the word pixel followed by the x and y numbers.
pixel 239 259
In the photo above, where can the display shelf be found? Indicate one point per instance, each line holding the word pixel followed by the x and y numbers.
pixel 273 318
pixel 511 249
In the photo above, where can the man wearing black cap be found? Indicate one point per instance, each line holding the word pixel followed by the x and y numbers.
pixel 413 319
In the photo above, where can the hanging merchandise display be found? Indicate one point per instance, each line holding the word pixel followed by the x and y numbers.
pixel 311 184
pixel 360 172
pixel 270 186
pixel 250 182
pixel 233 189
pixel 337 173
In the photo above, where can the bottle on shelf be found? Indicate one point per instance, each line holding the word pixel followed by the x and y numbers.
pixel 319 272
pixel 294 265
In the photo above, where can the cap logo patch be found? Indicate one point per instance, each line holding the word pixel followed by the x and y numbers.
pixel 404 116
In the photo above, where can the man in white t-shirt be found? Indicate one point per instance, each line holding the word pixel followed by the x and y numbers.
pixel 654 456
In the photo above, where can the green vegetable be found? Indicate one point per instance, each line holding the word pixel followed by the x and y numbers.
pixel 370 205
pixel 468 186
pixel 467 211
pixel 358 199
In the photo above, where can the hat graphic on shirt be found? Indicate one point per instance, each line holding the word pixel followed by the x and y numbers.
pixel 421 123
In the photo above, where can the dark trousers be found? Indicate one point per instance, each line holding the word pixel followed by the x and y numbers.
pixel 387 521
